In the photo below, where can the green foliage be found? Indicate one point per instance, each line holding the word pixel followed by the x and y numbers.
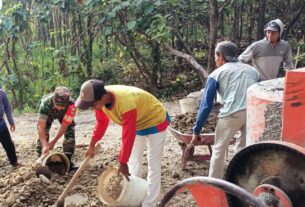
pixel 14 21
pixel 200 55
pixel 46 43
pixel 159 30
pixel 300 57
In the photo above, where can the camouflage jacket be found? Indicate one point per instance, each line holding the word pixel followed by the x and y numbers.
pixel 48 112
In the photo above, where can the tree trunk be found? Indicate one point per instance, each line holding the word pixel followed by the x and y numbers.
pixel 235 31
pixel 156 65
pixel 15 99
pixel 221 24
pixel 16 71
pixel 90 45
pixel 128 42
pixel 59 27
pixel 74 44
pixel 294 20
pixel 51 31
pixel 241 22
pixel 213 34
pixel 187 49
pixel 188 58
pixel 261 19
pixel 66 28
pixel 251 20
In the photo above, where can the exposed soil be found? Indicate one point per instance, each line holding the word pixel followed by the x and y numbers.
pixel 20 187
pixel 114 187
pixel 185 122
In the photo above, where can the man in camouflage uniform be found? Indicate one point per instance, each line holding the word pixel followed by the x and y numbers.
pixel 58 105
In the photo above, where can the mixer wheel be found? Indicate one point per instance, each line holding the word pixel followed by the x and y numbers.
pixel 211 192
pixel 279 164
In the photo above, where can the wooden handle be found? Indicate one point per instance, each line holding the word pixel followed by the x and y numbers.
pixel 60 200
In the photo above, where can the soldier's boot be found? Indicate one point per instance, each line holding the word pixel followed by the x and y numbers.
pixel 73 167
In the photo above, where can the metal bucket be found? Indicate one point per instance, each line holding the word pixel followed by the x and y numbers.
pixel 57 162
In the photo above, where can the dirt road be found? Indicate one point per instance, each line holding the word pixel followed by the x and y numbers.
pixel 21 188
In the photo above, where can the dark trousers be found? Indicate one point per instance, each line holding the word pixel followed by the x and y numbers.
pixel 8 145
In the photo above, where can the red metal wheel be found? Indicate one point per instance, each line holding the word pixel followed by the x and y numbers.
pixel 211 192
pixel 272 195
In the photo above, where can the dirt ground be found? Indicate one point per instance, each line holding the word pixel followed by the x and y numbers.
pixel 20 187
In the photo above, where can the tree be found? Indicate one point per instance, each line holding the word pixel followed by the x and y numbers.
pixel 213 33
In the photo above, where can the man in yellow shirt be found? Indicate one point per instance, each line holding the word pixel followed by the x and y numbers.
pixel 144 121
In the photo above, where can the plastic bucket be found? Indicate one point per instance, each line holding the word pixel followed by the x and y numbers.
pixel 197 95
pixel 189 104
pixel 56 161
pixel 115 190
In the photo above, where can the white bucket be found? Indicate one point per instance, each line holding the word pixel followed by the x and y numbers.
pixel 189 104
pixel 115 190
pixel 197 95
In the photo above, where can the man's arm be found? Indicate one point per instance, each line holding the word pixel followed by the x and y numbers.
pixel 63 128
pixel 205 105
pixel 66 122
pixel 101 125
pixel 129 124
pixel 247 55
pixel 8 110
pixel 288 60
pixel 128 134
pixel 42 135
pixel 43 114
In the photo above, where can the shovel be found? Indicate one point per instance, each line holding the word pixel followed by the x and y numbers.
pixel 61 200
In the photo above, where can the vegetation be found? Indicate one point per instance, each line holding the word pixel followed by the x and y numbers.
pixel 166 47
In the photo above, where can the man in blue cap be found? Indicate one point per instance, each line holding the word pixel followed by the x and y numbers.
pixel 268 54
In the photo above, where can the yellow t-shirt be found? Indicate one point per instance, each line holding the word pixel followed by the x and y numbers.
pixel 150 111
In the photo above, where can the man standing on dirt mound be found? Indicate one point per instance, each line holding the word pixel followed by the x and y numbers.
pixel 58 105
pixel 268 54
pixel 231 80
pixel 144 121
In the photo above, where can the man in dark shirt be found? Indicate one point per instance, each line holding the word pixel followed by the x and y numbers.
pixel 5 137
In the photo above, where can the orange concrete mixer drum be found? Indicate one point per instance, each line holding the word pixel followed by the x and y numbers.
pixel 294 107
pixel 276 109
pixel 264 111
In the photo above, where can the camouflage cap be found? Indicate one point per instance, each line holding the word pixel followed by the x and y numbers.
pixel 61 95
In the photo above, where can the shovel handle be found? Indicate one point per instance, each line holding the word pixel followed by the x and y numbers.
pixel 60 200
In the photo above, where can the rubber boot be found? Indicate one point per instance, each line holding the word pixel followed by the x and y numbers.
pixel 73 167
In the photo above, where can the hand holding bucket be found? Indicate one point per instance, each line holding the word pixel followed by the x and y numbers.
pixel 115 190
pixel 123 168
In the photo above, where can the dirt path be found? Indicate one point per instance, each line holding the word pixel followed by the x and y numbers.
pixel 21 188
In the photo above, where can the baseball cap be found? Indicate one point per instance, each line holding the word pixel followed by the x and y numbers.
pixel 61 95
pixel 228 50
pixel 272 26
pixel 91 91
